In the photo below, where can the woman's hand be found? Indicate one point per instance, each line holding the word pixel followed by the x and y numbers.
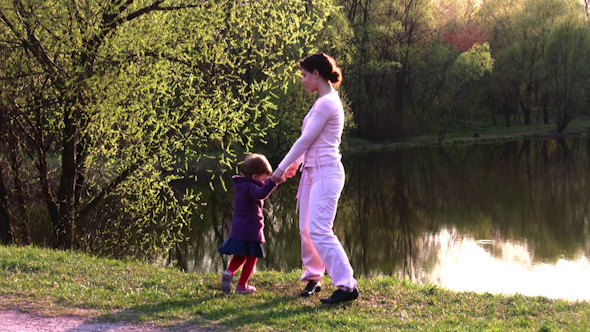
pixel 291 171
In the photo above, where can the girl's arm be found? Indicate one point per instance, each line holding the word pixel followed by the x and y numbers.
pixel 264 191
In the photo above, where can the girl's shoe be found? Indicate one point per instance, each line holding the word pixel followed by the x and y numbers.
pixel 226 280
pixel 245 289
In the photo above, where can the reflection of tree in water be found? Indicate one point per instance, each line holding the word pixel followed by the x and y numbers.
pixel 532 195
pixel 396 204
pixel 374 208
pixel 531 192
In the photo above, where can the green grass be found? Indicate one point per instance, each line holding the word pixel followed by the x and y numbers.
pixel 463 133
pixel 56 282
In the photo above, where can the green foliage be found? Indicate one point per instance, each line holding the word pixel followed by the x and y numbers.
pixel 121 94
pixel 519 31
pixel 292 107
pixel 337 38
pixel 469 67
pixel 144 217
pixel 404 50
pixel 567 55
pixel 472 65
pixel 429 84
pixel 334 38
pixel 390 39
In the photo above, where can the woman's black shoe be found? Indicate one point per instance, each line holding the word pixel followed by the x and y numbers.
pixel 341 296
pixel 311 288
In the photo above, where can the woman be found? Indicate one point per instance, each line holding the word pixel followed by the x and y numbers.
pixel 321 182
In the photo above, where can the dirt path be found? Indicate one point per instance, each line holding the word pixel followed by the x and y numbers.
pixel 16 321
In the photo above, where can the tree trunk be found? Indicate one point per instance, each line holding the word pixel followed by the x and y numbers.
pixel 545 102
pixel 64 225
pixel 493 117
pixel 6 232
pixel 526 111
pixel 398 106
pixel 20 194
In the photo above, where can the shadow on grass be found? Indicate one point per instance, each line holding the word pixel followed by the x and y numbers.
pixel 217 310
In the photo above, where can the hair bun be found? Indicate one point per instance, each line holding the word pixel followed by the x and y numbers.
pixel 335 76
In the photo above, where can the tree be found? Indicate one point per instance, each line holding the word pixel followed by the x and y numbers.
pixel 502 90
pixel 106 96
pixel 518 33
pixel 390 36
pixel 567 55
pixel 469 67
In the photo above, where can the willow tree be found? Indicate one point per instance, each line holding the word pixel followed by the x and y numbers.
pixel 100 98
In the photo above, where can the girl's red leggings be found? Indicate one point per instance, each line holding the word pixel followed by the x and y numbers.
pixel 248 262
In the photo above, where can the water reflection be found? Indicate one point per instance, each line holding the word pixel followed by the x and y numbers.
pixel 469 265
pixel 502 218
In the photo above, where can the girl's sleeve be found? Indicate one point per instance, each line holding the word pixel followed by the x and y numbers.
pixel 264 191
pixel 312 130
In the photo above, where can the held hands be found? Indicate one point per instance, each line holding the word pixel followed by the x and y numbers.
pixel 291 171
pixel 278 177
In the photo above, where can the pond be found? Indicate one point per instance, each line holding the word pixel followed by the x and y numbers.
pixel 508 217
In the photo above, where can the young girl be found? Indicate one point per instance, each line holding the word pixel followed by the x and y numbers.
pixel 246 235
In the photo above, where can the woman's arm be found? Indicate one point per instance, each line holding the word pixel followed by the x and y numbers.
pixel 319 116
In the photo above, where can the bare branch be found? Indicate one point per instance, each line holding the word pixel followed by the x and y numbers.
pixel 112 21
pixel 156 6
pixel 179 7
pixel 4 19
pixel 23 127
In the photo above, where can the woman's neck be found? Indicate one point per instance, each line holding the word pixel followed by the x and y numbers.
pixel 324 87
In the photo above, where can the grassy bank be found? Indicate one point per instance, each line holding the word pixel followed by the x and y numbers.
pixel 54 282
pixel 465 133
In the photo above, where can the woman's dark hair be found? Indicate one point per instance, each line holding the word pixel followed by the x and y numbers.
pixel 255 164
pixel 324 64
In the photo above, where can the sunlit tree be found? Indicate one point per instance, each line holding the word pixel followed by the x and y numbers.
pixel 518 33
pixel 104 101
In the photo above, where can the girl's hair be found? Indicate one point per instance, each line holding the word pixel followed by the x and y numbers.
pixel 255 164
pixel 324 64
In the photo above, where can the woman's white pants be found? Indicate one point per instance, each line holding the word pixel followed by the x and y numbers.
pixel 319 191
